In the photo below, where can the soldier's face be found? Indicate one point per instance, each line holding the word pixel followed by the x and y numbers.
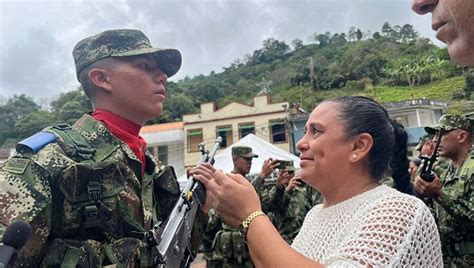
pixel 243 164
pixel 427 148
pixel 450 144
pixel 137 88
pixel 453 22
pixel 324 147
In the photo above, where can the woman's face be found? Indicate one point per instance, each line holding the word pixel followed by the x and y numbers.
pixel 325 150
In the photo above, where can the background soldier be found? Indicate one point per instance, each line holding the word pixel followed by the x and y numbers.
pixel 452 192
pixel 223 245
pixel 426 147
pixel 90 191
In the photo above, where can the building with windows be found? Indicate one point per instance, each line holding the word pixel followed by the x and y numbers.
pixel 414 115
pixel 166 143
pixel 234 121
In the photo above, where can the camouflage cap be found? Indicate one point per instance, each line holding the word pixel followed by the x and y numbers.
pixel 243 151
pixel 123 43
pixel 450 122
pixel 423 139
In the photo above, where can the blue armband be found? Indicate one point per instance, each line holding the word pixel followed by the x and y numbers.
pixel 33 144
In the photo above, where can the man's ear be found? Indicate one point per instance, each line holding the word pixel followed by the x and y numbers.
pixel 100 79
pixel 463 136
pixel 361 147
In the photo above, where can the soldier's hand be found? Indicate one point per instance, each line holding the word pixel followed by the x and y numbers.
pixel 283 179
pixel 293 183
pixel 204 172
pixel 429 189
pixel 268 166
pixel 234 197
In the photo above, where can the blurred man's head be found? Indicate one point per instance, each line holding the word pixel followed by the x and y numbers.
pixel 242 157
pixel 457 135
pixel 426 145
pixel 453 22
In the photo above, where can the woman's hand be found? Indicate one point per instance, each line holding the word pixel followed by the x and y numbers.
pixel 201 173
pixel 234 197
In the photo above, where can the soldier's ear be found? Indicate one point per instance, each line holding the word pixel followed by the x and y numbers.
pixel 463 136
pixel 99 77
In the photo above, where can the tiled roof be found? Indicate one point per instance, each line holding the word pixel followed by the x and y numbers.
pixel 161 127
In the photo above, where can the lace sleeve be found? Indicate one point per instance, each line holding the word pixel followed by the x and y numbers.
pixel 398 231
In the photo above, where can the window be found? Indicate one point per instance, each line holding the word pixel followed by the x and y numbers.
pixel 226 133
pixel 277 131
pixel 245 129
pixel 163 154
pixel 194 139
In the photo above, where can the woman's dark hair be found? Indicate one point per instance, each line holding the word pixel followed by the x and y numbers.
pixel 364 115
pixel 400 163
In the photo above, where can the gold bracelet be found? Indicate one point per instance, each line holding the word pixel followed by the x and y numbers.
pixel 244 227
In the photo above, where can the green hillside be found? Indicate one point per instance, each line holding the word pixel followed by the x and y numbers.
pixel 394 64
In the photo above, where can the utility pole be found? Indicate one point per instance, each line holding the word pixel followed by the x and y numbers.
pixel 313 80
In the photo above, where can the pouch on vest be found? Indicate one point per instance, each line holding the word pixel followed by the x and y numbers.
pixel 241 253
pixel 222 246
pixel 91 197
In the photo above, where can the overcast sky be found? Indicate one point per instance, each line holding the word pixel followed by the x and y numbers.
pixel 37 37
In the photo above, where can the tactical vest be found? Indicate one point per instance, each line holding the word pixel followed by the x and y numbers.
pixel 92 225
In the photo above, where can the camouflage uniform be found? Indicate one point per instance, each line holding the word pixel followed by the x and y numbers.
pixel 286 208
pixel 455 206
pixel 82 189
pixel 223 245
pixel 300 201
pixel 53 191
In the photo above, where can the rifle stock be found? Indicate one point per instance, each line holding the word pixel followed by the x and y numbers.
pixel 173 237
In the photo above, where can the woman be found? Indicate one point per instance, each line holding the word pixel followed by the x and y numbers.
pixel 347 147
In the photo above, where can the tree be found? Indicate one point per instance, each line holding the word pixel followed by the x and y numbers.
pixel 359 34
pixel 70 106
pixel 322 39
pixel 32 123
pixel 14 110
pixel 297 44
pixel 387 30
pixel 407 33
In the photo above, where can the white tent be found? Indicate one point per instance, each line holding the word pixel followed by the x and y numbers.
pixel 264 150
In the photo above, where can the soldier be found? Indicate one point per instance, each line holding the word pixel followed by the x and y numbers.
pixel 452 192
pixel 426 148
pixel 223 245
pixel 296 200
pixel 91 190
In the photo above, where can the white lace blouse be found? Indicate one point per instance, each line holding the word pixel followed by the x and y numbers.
pixel 379 228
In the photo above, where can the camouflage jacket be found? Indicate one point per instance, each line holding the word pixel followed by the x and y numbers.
pixel 455 209
pixel 86 212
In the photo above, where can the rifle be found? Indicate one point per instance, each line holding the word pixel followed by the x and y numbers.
pixel 173 237
pixel 428 160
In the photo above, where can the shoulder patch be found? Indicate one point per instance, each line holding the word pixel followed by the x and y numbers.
pixel 33 144
pixel 16 165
